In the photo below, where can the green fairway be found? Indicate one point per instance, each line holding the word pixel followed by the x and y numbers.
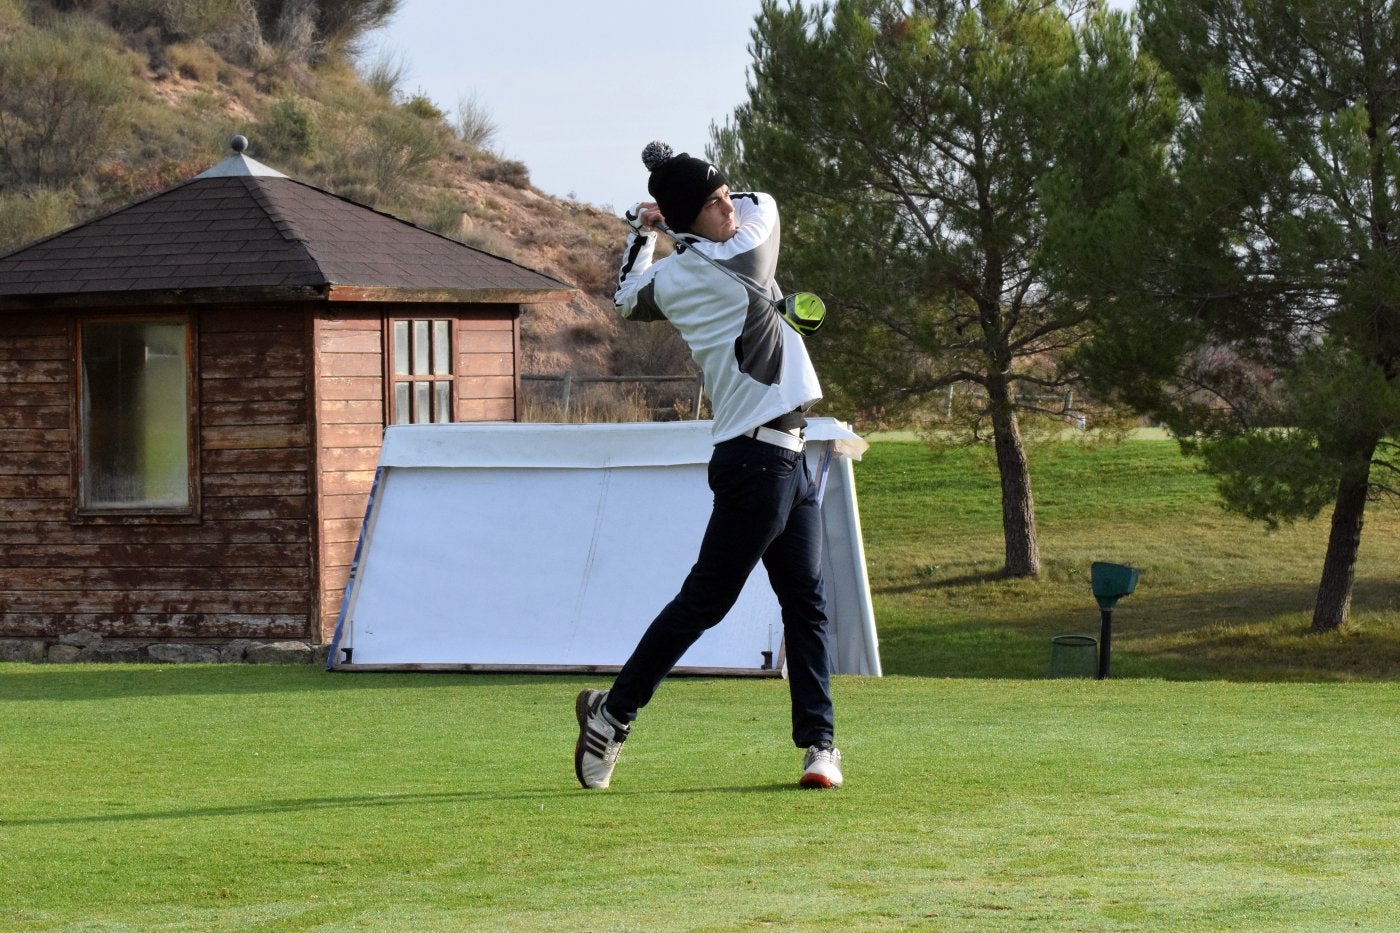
pixel 246 798
pixel 1236 773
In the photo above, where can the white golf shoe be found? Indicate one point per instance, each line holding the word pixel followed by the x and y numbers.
pixel 599 741
pixel 821 768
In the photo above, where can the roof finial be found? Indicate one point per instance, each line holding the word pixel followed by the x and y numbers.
pixel 239 143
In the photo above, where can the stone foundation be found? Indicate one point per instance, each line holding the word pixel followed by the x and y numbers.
pixel 91 647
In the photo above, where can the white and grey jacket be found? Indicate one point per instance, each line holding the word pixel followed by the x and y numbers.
pixel 756 367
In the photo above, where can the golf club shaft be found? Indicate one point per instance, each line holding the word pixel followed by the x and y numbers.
pixel 729 272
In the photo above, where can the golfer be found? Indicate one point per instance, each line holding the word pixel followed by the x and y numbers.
pixel 760 382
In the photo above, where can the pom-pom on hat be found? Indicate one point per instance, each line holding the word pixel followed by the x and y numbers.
pixel 680 183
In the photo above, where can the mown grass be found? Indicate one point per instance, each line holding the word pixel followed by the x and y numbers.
pixel 1223 779
pixel 1219 597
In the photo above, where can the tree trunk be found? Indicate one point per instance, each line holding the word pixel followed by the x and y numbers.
pixel 1017 505
pixel 1339 567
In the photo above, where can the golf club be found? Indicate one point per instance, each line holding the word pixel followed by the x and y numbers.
pixel 804 311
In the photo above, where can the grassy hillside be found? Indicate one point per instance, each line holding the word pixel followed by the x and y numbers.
pixel 103 102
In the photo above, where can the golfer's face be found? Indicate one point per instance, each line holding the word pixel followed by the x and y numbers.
pixel 716 220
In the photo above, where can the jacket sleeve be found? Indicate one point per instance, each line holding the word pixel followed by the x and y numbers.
pixel 753 250
pixel 634 298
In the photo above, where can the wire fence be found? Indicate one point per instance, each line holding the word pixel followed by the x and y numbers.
pixel 568 395
pixel 573 397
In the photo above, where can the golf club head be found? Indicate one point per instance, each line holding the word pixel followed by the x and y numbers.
pixel 804 311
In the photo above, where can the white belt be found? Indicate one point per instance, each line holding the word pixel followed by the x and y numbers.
pixel 777 438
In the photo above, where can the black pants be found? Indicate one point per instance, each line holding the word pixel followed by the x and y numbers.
pixel 765 508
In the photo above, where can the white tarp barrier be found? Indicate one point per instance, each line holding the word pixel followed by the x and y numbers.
pixel 552 547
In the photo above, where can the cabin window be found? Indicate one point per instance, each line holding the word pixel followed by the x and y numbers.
pixel 422 381
pixel 134 415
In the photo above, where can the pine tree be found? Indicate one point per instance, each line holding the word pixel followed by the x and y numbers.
pixel 908 144
pixel 1250 291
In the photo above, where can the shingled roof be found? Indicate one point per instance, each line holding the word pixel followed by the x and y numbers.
pixel 243 231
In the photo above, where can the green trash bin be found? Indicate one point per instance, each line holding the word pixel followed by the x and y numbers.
pixel 1074 656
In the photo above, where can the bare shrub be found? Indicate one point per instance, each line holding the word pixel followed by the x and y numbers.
pixel 394 150
pixel 122 181
pixel 657 350
pixel 341 23
pixel 385 73
pixel 338 25
pixel 292 46
pixel 231 26
pixel 588 335
pixel 592 270
pixel 588 403
pixel 508 172
pixel 475 125
pixel 651 350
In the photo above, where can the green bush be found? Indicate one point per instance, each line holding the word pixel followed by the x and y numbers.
pixel 11 16
pixel 396 150
pixel 290 129
pixel 442 215
pixel 64 95
pixel 424 109
pixel 29 215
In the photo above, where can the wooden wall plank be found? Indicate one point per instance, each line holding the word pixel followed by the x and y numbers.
pixel 33 371
pixel 486 364
pixel 351 364
pixel 157 580
pixel 341 530
pixel 35 486
pixel 487 341
pixel 185 600
pixel 350 411
pixel 269 411
pixel 230 532
pixel 369 434
pixel 363 389
pixel 502 409
pixel 486 387
pixel 254 436
pixel 159 554
pixel 36 417
pixel 35 462
pixel 352 506
pixel 487 319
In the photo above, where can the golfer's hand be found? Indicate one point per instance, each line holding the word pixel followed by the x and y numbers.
pixel 644 217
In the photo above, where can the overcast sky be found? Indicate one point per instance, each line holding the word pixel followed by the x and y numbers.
pixel 577 89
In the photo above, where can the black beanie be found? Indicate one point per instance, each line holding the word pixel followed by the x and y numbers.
pixel 681 184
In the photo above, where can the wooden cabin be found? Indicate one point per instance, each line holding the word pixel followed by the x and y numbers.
pixel 193 391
